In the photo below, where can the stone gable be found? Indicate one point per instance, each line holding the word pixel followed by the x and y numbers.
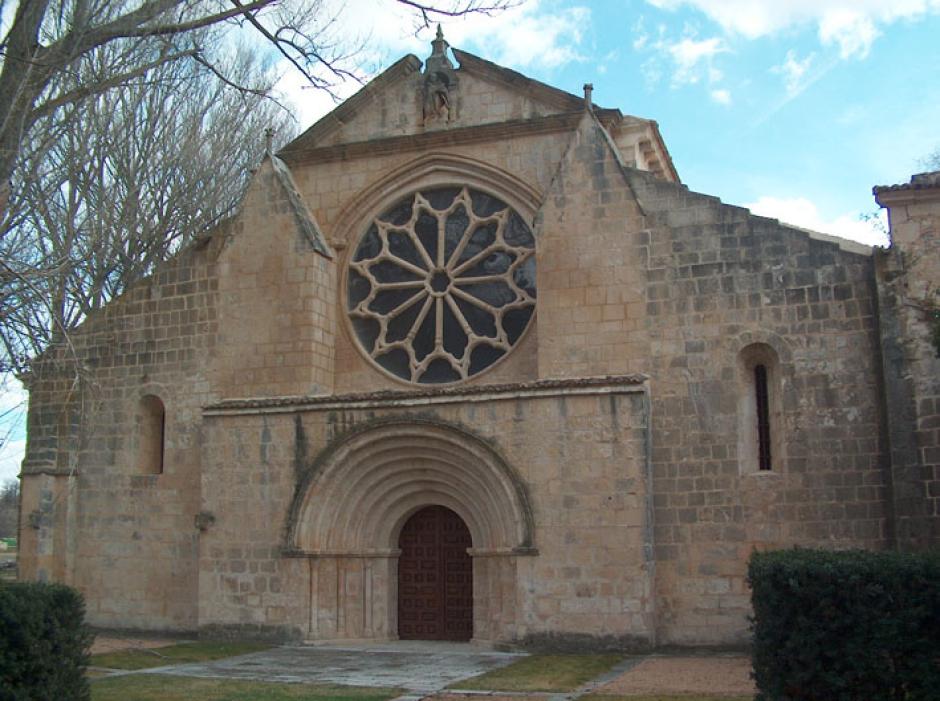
pixel 694 383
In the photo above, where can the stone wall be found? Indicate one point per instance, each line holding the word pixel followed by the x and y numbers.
pixel 247 310
pixel 724 284
pixel 94 515
pixel 579 453
pixel 641 275
pixel 908 283
pixel 277 298
pixel 615 509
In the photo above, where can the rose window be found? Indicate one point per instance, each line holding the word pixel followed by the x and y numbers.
pixel 442 285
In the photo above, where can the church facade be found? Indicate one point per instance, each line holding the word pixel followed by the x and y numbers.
pixel 471 363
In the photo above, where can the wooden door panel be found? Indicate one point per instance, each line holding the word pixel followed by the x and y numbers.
pixel 435 577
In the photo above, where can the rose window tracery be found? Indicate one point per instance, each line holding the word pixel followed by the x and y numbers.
pixel 442 285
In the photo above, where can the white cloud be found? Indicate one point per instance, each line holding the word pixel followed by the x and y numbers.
pixel 308 103
pixel 693 59
pixel 527 36
pixel 849 24
pixel 11 456
pixel 852 31
pixel 804 213
pixel 800 83
pixel 793 71
pixel 652 72
pixel 13 399
pixel 721 96
pixel 689 60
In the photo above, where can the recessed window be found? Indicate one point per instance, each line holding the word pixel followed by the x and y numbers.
pixel 760 421
pixel 442 285
pixel 762 402
pixel 151 435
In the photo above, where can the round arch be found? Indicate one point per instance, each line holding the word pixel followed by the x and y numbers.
pixel 434 170
pixel 361 490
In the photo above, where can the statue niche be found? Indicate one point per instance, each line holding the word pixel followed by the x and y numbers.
pixel 440 84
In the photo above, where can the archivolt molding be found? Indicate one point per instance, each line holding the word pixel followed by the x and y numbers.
pixel 434 170
pixel 361 490
pixel 748 338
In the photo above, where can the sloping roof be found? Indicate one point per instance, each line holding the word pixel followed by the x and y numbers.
pixel 402 68
pixel 557 101
pixel 920 181
pixel 305 221
pixel 541 92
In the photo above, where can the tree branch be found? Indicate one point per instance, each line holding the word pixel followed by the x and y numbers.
pixel 109 33
pixel 266 94
pixel 112 82
pixel 428 10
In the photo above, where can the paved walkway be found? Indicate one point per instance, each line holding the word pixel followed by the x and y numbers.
pixel 427 668
pixel 420 667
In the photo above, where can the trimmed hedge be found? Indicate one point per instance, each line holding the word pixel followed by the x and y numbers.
pixel 846 626
pixel 44 643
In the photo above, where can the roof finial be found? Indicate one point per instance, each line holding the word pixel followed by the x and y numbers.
pixel 588 103
pixel 269 141
pixel 439 45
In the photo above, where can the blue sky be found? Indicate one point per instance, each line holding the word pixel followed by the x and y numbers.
pixel 795 108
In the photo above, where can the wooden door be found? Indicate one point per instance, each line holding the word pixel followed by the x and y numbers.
pixel 435 577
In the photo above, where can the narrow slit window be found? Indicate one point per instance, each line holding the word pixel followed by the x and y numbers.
pixel 763 417
pixel 152 435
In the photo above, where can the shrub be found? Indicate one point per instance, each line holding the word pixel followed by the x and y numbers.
pixel 846 626
pixel 44 643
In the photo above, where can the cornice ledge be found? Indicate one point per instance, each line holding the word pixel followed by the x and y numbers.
pixel 435 139
pixel 608 384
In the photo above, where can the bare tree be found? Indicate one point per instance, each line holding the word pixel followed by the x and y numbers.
pixel 932 161
pixel 46 38
pixel 9 508
pixel 109 186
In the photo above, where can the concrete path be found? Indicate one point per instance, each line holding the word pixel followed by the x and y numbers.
pixel 420 667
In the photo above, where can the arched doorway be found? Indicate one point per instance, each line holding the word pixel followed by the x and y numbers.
pixel 351 505
pixel 435 577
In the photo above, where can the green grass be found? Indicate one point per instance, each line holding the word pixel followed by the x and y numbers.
pixel 180 653
pixel 543 673
pixel 161 687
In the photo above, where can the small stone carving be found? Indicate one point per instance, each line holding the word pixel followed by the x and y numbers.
pixel 204 519
pixel 440 83
pixel 437 102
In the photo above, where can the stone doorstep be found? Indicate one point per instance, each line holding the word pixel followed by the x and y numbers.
pixel 436 647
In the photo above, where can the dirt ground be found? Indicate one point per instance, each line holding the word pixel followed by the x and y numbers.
pixel 685 675
pixel 115 643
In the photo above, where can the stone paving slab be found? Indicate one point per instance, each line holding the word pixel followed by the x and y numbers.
pixel 418 668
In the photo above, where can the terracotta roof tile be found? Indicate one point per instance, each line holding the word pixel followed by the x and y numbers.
pixel 921 181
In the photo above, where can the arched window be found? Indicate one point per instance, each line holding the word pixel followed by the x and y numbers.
pixel 760 423
pixel 762 402
pixel 151 429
